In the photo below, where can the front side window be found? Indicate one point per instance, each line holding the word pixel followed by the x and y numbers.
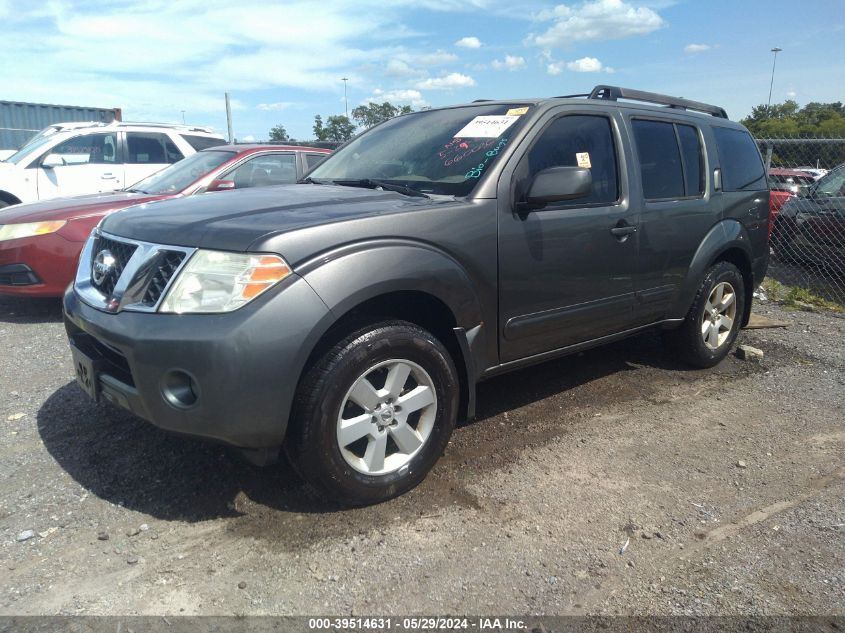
pixel 88 149
pixel 443 152
pixel 575 141
pixel 742 166
pixel 151 148
pixel 176 178
pixel 263 171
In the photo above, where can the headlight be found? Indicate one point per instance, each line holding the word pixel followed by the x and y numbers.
pixel 16 231
pixel 215 281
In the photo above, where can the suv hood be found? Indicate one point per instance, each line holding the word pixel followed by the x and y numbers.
pixel 233 220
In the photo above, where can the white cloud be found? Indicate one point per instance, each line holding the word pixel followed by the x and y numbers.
pixel 274 107
pixel 410 97
pixel 594 20
pixel 583 65
pixel 469 42
pixel 447 82
pixel 586 65
pixel 791 94
pixel 696 48
pixel 399 68
pixel 249 138
pixel 437 58
pixel 511 62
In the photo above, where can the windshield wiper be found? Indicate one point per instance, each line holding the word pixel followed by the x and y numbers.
pixel 134 191
pixel 308 180
pixel 369 183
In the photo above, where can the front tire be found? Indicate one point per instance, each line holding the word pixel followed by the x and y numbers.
pixel 374 413
pixel 713 322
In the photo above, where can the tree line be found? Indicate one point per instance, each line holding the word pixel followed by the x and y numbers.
pixel 339 128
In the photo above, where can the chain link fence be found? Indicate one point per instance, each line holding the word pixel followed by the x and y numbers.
pixel 807 179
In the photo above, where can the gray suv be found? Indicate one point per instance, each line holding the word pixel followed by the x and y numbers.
pixel 348 318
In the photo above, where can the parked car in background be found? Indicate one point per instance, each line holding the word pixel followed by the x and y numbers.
pixel 811 228
pixel 40 242
pixel 777 199
pixel 792 180
pixel 75 159
pixel 816 172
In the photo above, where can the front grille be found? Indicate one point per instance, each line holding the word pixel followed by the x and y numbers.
pixel 167 264
pixel 121 251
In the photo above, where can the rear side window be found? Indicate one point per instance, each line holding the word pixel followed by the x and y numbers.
pixel 312 160
pixel 151 148
pixel 693 163
pixel 576 141
pixel 660 159
pixel 742 166
pixel 202 142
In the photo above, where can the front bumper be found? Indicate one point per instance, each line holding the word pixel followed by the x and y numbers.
pixel 244 365
pixel 51 258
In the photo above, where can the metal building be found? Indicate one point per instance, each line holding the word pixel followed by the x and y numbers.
pixel 20 121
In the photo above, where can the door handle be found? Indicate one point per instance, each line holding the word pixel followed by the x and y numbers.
pixel 109 176
pixel 622 230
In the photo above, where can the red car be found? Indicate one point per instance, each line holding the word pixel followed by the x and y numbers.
pixel 40 242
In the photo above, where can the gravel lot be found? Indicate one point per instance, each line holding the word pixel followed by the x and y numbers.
pixel 727 484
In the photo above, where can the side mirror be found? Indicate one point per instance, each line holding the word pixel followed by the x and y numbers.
pixel 556 184
pixel 52 160
pixel 221 185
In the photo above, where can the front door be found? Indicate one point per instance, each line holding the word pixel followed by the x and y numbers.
pixel 90 163
pixel 566 270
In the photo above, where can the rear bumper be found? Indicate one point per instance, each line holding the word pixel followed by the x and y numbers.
pixel 242 368
pixel 51 260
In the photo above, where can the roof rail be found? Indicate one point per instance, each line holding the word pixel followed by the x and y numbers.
pixel 177 126
pixel 614 93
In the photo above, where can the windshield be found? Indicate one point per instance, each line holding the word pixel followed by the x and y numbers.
pixel 32 147
pixel 179 175
pixel 434 152
pixel 832 184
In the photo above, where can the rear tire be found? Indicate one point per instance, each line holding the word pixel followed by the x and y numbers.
pixel 713 322
pixel 374 414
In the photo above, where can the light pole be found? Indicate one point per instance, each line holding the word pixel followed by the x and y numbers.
pixel 183 117
pixel 775 50
pixel 345 102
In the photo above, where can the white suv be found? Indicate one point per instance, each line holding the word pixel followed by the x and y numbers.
pixel 73 159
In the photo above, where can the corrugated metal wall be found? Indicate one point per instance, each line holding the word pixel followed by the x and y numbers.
pixel 20 121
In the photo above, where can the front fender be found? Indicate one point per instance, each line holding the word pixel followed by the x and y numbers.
pixel 726 235
pixel 355 273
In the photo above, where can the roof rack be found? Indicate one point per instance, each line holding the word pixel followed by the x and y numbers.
pixel 189 128
pixel 613 93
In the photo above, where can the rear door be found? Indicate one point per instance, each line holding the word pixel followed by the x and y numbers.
pixel 565 275
pixel 91 163
pixel 677 211
pixel 147 153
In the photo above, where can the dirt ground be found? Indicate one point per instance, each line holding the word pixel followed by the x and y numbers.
pixel 728 486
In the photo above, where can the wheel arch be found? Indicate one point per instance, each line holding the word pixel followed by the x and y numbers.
pixel 9 198
pixel 726 241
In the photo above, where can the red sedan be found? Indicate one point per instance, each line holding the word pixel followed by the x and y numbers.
pixel 40 242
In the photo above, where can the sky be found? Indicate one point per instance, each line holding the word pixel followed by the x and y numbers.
pixel 282 62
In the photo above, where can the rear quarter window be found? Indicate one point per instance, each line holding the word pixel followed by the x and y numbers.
pixel 202 142
pixel 742 165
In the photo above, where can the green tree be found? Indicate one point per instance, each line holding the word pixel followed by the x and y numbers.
pixel 319 131
pixel 338 128
pixel 279 134
pixel 373 113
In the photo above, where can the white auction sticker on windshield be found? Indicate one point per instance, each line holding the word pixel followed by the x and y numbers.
pixel 487 126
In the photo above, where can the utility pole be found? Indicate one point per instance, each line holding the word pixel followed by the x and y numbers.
pixel 229 118
pixel 345 102
pixel 775 50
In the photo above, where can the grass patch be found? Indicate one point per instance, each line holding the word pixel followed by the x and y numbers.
pixel 797 298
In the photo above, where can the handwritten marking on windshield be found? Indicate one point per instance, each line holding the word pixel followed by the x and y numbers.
pixel 476 171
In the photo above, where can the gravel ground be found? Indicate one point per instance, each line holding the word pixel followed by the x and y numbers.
pixel 727 485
